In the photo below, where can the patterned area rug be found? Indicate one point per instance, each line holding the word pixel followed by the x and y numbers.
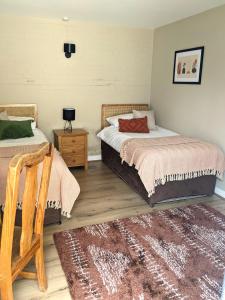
pixel 173 254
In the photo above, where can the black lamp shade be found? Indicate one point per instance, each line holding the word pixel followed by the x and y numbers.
pixel 69 114
pixel 69 48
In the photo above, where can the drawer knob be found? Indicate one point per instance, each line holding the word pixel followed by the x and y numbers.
pixel 73 141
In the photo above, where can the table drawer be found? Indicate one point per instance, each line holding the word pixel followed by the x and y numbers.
pixel 76 140
pixel 73 149
pixel 73 161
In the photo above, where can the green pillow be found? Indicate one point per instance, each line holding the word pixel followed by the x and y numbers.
pixel 15 129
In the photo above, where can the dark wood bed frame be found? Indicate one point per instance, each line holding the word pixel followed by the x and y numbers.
pixel 52 216
pixel 174 190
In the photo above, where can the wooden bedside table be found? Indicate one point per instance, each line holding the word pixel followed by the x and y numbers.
pixel 72 146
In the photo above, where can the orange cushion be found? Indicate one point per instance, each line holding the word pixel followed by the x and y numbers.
pixel 139 125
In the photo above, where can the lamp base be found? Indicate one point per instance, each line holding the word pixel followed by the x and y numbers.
pixel 68 127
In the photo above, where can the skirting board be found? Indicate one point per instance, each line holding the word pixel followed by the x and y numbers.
pixel 220 192
pixel 94 157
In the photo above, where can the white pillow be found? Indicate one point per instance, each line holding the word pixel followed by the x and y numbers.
pixel 114 120
pixel 149 114
pixel 3 115
pixel 33 125
pixel 16 118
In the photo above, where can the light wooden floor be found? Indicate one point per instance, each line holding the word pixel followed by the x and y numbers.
pixel 104 197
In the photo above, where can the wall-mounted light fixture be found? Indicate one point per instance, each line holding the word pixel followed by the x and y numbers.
pixel 68 49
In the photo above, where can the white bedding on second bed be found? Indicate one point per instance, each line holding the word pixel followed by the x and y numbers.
pixel 38 138
pixel 115 139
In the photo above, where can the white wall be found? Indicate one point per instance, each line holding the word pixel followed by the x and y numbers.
pixel 194 110
pixel 111 65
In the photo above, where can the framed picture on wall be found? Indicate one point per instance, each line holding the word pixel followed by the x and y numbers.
pixel 188 66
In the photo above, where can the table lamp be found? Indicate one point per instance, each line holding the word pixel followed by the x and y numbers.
pixel 68 116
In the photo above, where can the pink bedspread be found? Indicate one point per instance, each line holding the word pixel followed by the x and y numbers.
pixel 173 158
pixel 63 187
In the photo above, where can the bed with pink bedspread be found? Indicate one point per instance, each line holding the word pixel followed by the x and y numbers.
pixel 63 187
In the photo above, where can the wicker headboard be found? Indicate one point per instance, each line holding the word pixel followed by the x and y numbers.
pixel 20 110
pixel 109 110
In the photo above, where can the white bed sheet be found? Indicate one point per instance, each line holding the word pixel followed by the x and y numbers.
pixel 115 139
pixel 37 139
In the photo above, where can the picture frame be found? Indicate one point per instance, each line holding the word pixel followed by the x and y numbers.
pixel 188 64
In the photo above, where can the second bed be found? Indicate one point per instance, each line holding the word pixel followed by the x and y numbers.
pixel 111 143
pixel 63 187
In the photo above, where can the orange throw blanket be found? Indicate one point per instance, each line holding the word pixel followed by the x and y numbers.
pixel 165 159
